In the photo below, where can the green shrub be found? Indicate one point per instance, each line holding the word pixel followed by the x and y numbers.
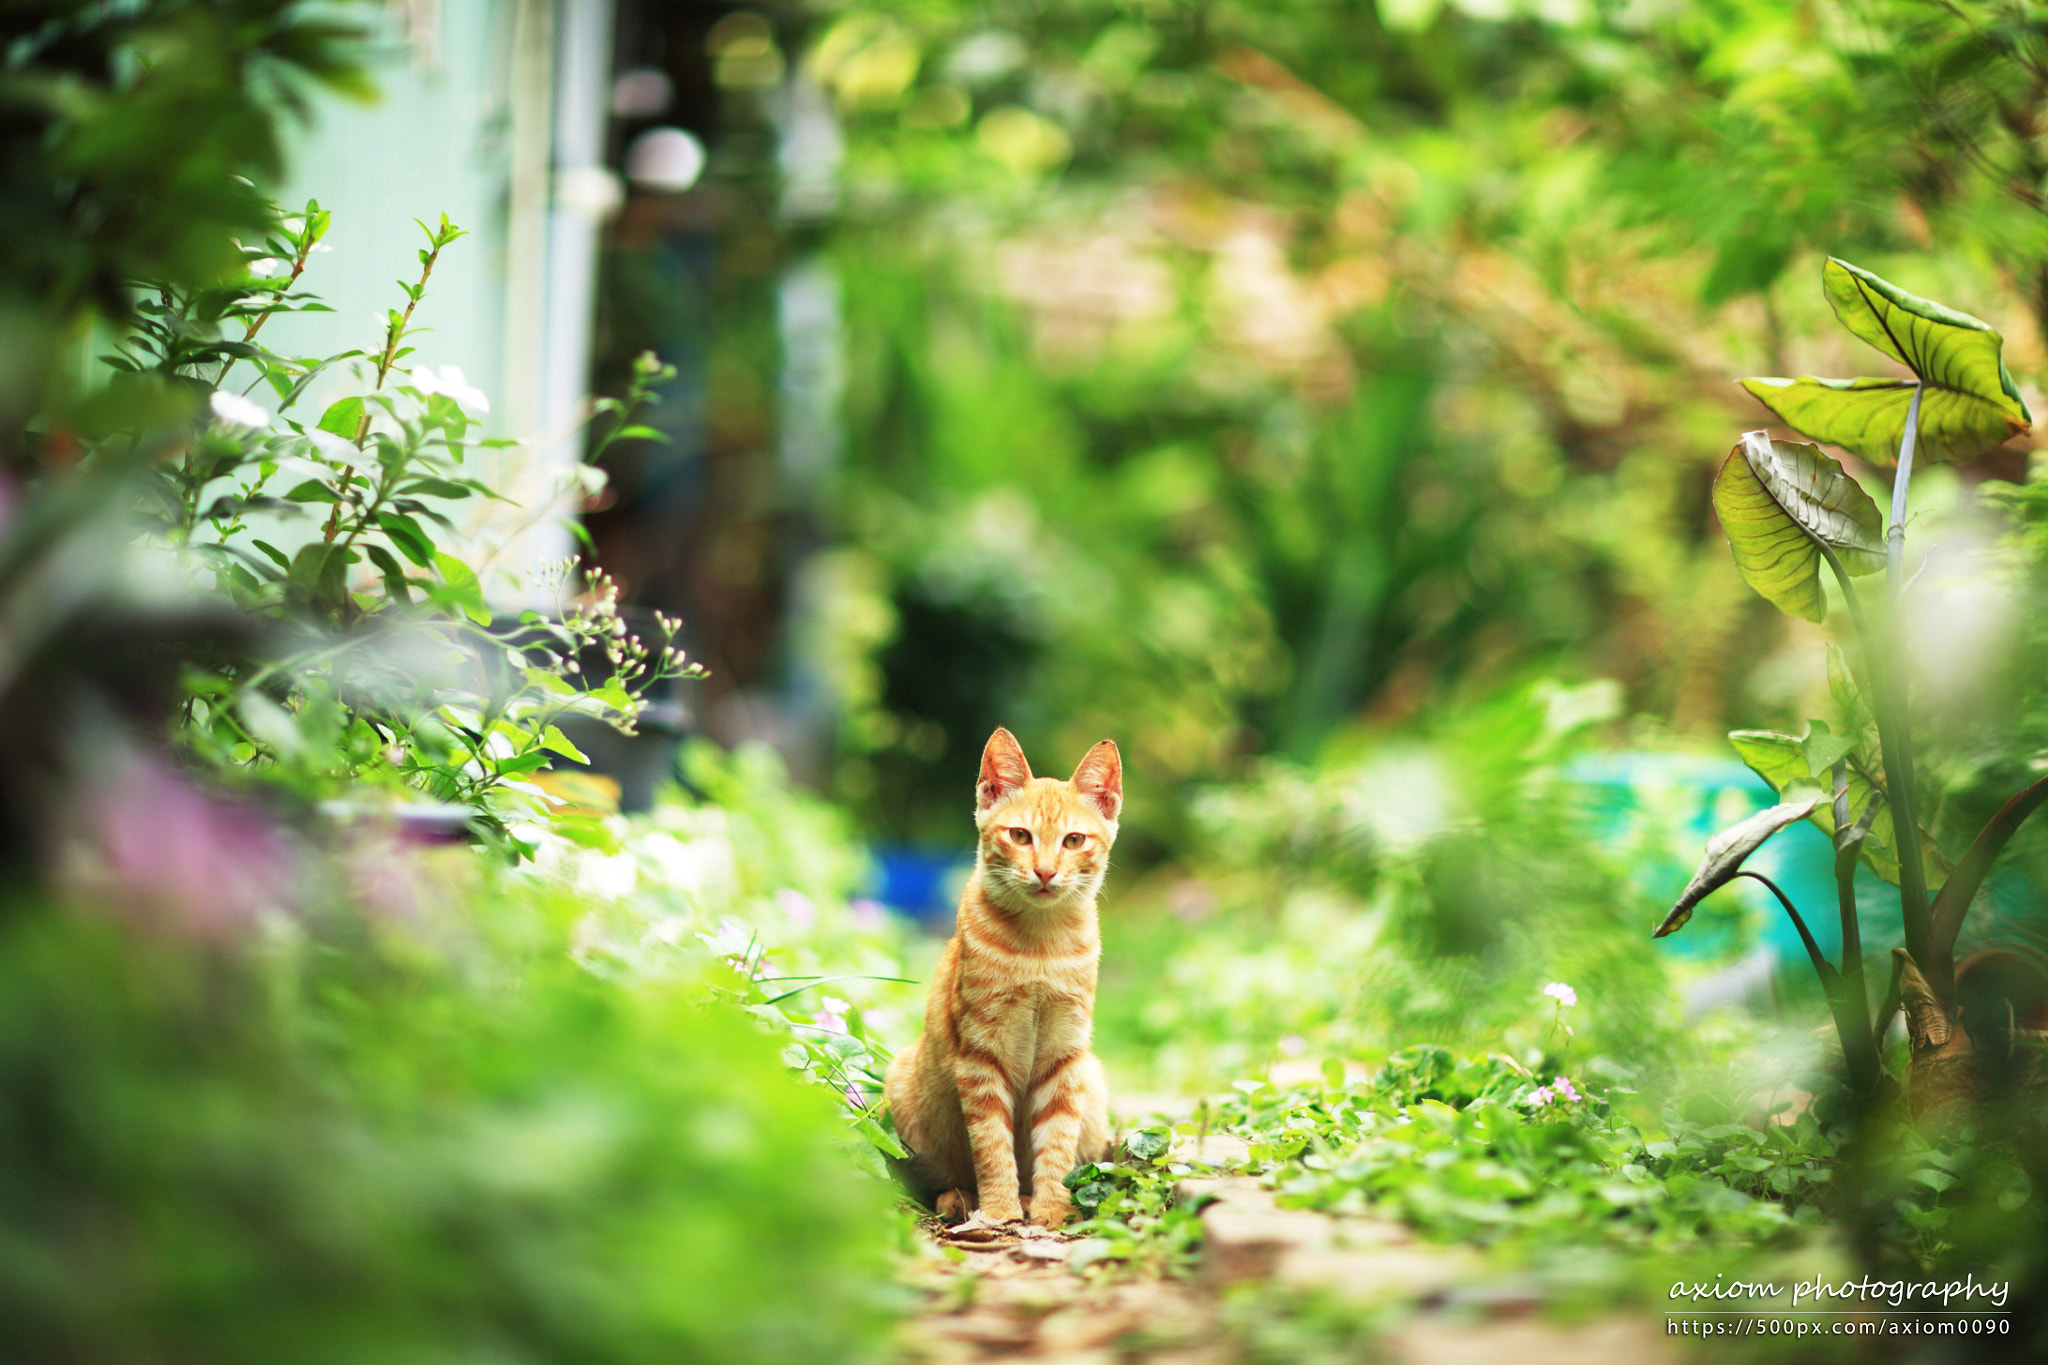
pixel 409 1136
pixel 1409 890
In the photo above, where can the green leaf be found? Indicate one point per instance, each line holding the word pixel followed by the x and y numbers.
pixel 1867 417
pixel 459 589
pixel 394 572
pixel 343 418
pixel 1147 1144
pixel 587 831
pixel 1779 502
pixel 437 488
pixel 1969 403
pixel 639 433
pixel 319 575
pixel 1940 345
pixel 1780 760
pixel 269 724
pixel 875 1133
pixel 312 490
pixel 552 738
pixel 1725 854
pixel 283 562
pixel 405 533
pixel 1824 749
pixel 612 693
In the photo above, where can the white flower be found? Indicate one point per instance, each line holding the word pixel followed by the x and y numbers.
pixel 237 410
pixel 268 268
pixel 334 447
pixel 834 1005
pixel 1561 993
pixel 448 379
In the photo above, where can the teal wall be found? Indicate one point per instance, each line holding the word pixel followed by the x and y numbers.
pixel 439 140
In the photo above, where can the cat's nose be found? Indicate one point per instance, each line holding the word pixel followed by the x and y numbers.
pixel 1045 878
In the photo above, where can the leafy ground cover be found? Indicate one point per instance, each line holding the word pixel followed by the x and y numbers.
pixel 1734 1154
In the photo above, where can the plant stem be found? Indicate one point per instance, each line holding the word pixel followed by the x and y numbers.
pixel 1852 1009
pixel 1852 932
pixel 1894 739
pixel 1821 967
pixel 1890 682
pixel 393 335
pixel 1852 1025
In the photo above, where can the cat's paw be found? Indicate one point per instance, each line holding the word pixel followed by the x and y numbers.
pixel 1052 1208
pixel 954 1205
pixel 1002 1210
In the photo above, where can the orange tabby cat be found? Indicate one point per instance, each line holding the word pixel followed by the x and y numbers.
pixel 1001 1097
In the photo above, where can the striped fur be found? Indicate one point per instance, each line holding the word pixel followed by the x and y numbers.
pixel 1001 1097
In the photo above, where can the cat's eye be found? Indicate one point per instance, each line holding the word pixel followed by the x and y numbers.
pixel 1022 836
pixel 1075 840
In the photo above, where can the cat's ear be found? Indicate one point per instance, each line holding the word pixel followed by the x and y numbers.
pixel 1003 769
pixel 1100 779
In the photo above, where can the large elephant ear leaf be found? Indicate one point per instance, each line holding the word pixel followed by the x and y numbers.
pixel 1968 403
pixel 1726 853
pixel 1939 344
pixel 1867 417
pixel 1779 503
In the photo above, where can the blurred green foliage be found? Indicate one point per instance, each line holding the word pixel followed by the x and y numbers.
pixel 1419 888
pixel 424 1133
pixel 129 136
pixel 285 1078
pixel 1223 374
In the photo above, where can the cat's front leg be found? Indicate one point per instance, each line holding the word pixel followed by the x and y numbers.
pixel 986 1104
pixel 1069 1112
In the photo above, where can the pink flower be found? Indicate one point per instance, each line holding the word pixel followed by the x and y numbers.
pixel 832 1018
pixel 1541 1095
pixel 1565 1088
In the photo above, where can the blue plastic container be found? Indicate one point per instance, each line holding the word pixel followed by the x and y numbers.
pixel 922 883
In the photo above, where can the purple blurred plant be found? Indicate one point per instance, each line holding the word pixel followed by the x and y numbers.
pixel 163 852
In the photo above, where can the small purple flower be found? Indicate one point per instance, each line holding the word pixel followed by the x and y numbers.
pixel 1564 995
pixel 1541 1095
pixel 1565 1088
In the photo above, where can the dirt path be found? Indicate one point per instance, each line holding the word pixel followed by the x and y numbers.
pixel 1274 1284
pixel 1013 1292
